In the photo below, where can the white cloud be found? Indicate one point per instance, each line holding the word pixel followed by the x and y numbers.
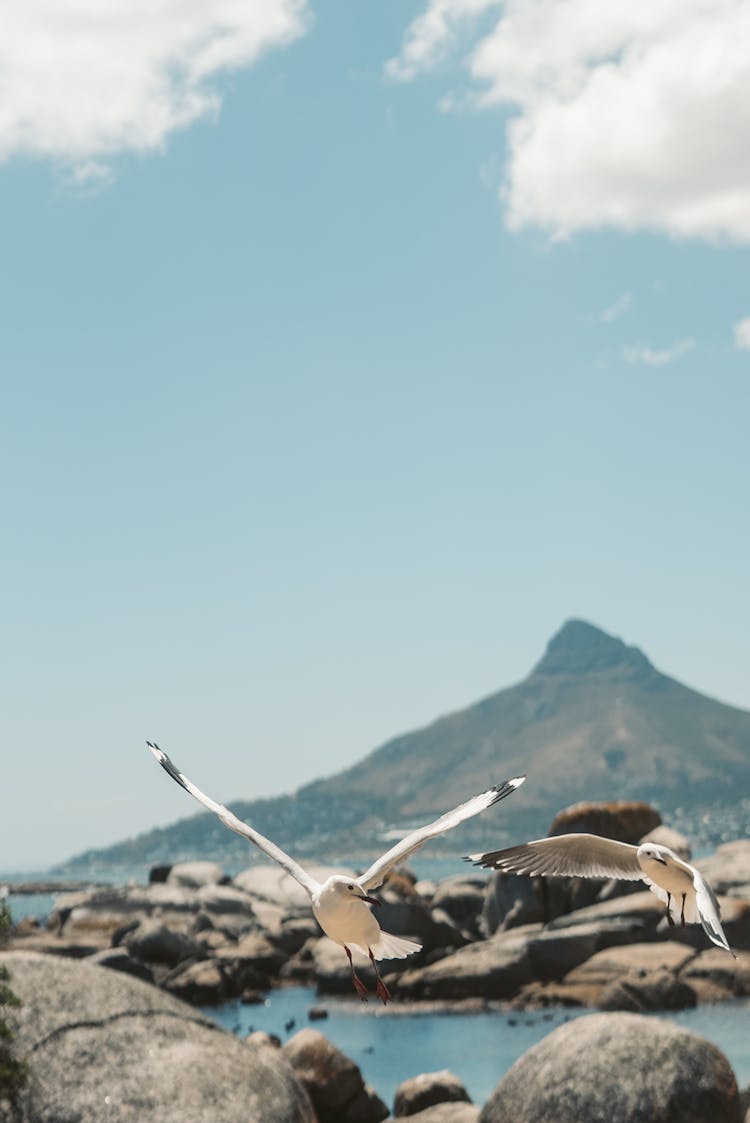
pixel 628 115
pixel 433 34
pixel 91 173
pixel 83 80
pixel 651 357
pixel 618 308
pixel 742 334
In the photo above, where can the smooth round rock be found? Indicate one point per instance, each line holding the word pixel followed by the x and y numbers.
pixel 426 1090
pixel 617 1068
pixel 103 1046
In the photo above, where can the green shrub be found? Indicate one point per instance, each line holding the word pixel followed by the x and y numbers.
pixel 13 1073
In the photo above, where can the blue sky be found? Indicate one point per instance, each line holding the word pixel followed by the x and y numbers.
pixel 325 404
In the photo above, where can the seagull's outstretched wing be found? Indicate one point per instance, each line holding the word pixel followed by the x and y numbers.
pixel 566 855
pixel 373 877
pixel 707 908
pixel 236 825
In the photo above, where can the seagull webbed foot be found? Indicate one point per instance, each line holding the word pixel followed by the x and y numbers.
pixel 380 988
pixel 359 986
pixel 382 992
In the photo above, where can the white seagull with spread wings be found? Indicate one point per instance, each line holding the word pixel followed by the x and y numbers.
pixel 340 904
pixel 686 893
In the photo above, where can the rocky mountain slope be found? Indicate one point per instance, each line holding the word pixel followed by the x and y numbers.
pixel 593 720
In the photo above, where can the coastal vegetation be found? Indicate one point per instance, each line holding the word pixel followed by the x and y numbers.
pixel 13 1072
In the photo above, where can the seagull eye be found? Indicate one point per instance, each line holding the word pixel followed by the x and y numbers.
pixel 350 887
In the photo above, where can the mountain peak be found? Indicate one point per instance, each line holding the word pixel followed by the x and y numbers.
pixel 580 647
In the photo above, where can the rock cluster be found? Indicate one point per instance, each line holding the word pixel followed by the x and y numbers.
pixel 527 942
pixel 207 939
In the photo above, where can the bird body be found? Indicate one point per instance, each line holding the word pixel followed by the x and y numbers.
pixel 686 893
pixel 345 915
pixel 341 904
pixel 665 870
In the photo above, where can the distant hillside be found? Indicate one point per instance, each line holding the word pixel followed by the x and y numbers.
pixel 593 720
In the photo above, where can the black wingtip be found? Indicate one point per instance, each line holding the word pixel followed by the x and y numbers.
pixel 507 786
pixel 166 764
pixel 484 861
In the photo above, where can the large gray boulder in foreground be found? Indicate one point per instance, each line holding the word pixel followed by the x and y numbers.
pixel 102 1045
pixel 617 1068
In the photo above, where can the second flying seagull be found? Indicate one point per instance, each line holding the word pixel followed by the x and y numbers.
pixel 683 889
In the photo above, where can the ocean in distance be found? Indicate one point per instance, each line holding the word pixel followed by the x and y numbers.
pixel 40 905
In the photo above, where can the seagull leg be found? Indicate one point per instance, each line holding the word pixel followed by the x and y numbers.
pixel 669 914
pixel 682 911
pixel 380 989
pixel 359 986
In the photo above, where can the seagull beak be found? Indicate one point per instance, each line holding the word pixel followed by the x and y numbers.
pixel 371 900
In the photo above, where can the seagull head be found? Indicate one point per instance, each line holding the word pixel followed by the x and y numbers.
pixel 653 852
pixel 346 888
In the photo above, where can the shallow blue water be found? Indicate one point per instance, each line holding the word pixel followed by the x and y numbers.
pixel 38 905
pixel 478 1048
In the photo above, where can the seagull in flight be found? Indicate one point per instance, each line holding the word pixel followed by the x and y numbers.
pixel 341 904
pixel 686 893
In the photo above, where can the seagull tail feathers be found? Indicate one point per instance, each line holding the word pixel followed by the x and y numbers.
pixel 394 947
